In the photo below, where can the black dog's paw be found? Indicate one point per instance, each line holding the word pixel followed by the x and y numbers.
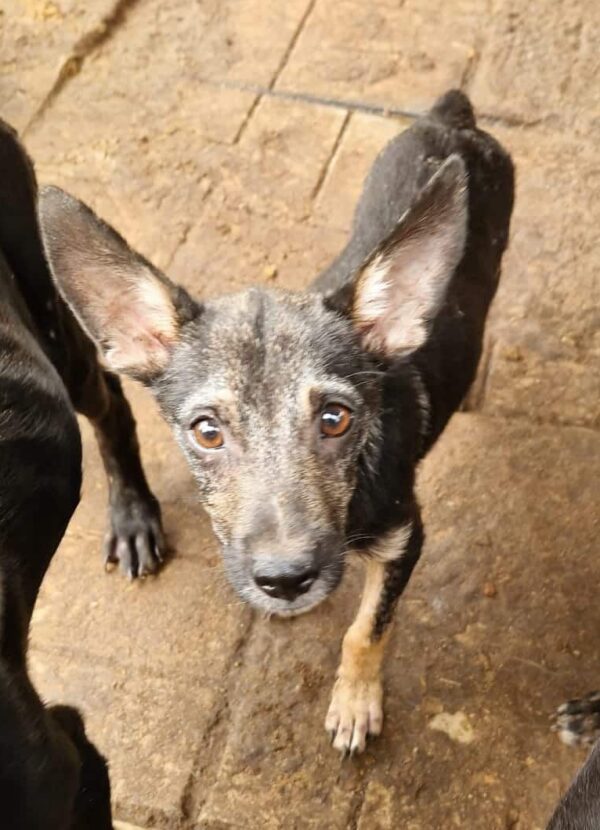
pixel 135 538
pixel 578 721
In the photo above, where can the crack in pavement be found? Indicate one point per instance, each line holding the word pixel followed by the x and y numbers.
pixel 278 70
pixel 331 158
pixel 294 39
pixel 191 801
pixel 87 44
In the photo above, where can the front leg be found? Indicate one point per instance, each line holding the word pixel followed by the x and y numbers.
pixel 356 708
pixel 135 537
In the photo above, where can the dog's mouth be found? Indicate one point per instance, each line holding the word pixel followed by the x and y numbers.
pixel 242 581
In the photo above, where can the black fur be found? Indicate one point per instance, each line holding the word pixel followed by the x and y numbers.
pixel 579 809
pixel 398 572
pixel 51 776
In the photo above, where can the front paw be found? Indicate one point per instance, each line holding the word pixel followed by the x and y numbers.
pixel 355 713
pixel 578 721
pixel 135 538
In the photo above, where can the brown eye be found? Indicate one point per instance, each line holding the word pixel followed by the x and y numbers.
pixel 208 434
pixel 335 420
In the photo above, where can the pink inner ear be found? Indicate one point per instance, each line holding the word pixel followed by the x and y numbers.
pixel 141 351
pixel 141 327
pixel 402 286
pixel 399 291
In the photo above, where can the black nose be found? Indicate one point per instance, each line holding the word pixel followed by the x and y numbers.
pixel 286 585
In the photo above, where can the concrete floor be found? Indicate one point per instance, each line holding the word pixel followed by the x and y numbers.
pixel 227 139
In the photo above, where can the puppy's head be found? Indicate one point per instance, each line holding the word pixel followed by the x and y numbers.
pixel 274 397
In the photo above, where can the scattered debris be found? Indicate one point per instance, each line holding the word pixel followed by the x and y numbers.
pixel 456 726
pixel 270 272
pixel 512 354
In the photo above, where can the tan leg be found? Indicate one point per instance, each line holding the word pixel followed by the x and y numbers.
pixel 356 709
pixel 356 704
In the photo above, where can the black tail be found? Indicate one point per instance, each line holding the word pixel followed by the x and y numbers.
pixel 455 110
pixel 20 238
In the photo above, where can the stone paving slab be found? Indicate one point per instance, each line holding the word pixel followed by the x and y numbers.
pixel 540 62
pixel 284 153
pixel 257 224
pixel 37 39
pixel 395 55
pixel 521 384
pixel 546 319
pixel 123 150
pixel 128 176
pixel 221 40
pixel 363 138
pixel 154 625
pixel 214 41
pixel 550 268
pixel 230 248
pixel 149 727
pixel 258 193
pixel 276 753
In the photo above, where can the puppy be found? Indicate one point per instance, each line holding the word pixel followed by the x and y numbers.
pixel 51 776
pixel 304 415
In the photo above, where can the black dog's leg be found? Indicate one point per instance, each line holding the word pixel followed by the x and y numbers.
pixel 356 705
pixel 91 810
pixel 135 538
pixel 579 808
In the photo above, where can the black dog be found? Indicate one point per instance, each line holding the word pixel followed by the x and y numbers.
pixel 304 416
pixel 579 809
pixel 578 724
pixel 51 776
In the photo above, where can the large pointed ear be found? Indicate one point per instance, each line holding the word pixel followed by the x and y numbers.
pixel 402 285
pixel 131 310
